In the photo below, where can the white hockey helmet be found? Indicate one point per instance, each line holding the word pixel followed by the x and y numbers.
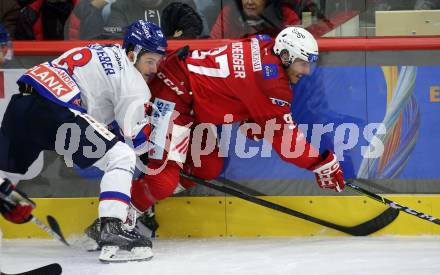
pixel 295 42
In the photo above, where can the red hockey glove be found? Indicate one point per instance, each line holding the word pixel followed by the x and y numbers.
pixel 328 172
pixel 15 206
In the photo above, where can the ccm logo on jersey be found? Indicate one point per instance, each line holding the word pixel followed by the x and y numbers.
pixel 169 83
pixel 56 81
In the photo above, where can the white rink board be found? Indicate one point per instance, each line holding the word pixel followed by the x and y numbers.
pixel 350 255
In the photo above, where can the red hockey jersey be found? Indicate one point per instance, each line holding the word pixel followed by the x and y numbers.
pixel 246 80
pixel 243 78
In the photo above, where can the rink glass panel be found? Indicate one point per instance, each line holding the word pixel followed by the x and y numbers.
pixel 338 18
pixel 346 92
pixel 349 90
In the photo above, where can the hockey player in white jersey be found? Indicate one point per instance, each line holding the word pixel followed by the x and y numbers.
pixel 64 105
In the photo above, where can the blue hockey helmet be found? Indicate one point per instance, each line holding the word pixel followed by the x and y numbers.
pixel 145 36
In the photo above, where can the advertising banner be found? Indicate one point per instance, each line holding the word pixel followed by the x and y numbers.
pixel 380 121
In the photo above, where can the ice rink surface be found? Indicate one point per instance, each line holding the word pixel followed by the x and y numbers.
pixel 314 255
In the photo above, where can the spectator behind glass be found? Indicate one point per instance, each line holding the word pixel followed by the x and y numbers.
pixel 208 11
pixel 43 19
pixel 177 19
pixel 6 52
pixel 242 18
pixel 427 5
pixel 388 5
pixel 317 8
pixel 88 19
pixel 9 11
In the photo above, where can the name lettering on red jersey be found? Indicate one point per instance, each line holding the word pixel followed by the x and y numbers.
pixel 238 60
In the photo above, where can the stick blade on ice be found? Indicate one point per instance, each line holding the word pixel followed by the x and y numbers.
pixel 52 269
pixel 56 227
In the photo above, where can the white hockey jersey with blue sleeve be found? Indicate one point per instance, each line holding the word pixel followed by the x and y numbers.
pixel 99 80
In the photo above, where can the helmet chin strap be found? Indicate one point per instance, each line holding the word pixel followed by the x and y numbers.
pixel 137 49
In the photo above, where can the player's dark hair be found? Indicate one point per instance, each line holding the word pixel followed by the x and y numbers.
pixel 130 48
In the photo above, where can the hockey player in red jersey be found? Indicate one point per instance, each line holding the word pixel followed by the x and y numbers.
pixel 247 80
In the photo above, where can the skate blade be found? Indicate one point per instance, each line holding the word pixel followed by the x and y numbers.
pixel 84 242
pixel 112 254
pixel 90 244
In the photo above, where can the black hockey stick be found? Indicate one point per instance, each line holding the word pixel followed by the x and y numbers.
pixel 363 229
pixel 239 187
pixel 51 269
pixel 392 204
pixel 370 183
pixel 49 230
pixel 53 224
pixel 38 222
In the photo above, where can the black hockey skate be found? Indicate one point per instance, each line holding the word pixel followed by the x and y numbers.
pixel 94 233
pixel 148 219
pixel 119 244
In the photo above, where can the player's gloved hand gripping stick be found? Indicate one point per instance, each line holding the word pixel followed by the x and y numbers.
pixel 234 189
pixel 328 172
pixel 16 207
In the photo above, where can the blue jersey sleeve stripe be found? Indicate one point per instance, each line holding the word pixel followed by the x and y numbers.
pixel 117 196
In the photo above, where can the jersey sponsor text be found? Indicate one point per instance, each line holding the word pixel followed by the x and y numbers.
pixel 256 58
pixel 57 81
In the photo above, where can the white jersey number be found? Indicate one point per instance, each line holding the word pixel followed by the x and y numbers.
pixel 222 71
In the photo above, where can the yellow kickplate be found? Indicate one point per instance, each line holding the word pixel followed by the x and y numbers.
pixel 245 219
pixel 230 216
pixel 73 215
pixel 191 217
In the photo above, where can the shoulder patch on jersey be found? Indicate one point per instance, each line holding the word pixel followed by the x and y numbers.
pixel 55 80
pixel 264 37
pixel 270 71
